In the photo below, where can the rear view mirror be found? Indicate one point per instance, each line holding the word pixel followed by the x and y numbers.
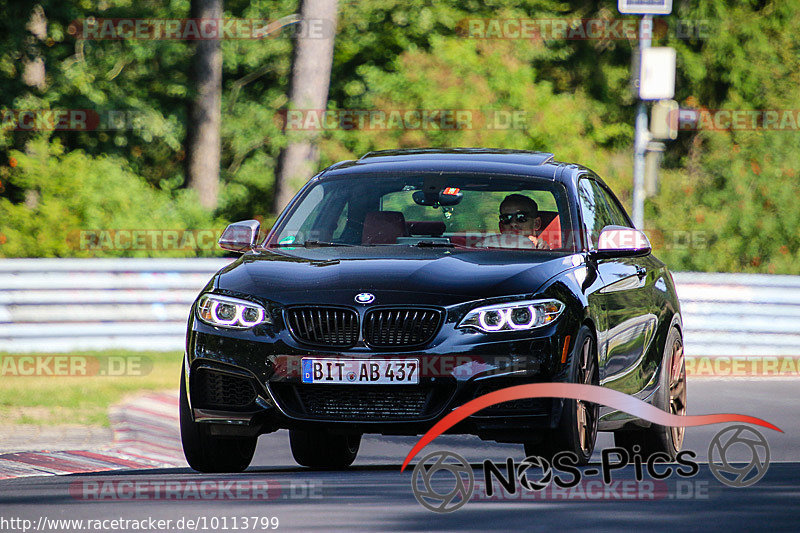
pixel 425 198
pixel 240 236
pixel 447 197
pixel 619 241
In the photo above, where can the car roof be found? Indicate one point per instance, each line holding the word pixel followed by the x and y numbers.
pixel 468 160
pixel 472 154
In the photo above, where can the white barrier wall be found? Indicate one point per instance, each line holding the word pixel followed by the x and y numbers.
pixel 740 314
pixel 60 305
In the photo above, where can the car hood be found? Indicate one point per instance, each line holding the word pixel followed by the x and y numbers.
pixel 394 274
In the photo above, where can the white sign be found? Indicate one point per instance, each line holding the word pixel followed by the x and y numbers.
pixel 645 7
pixel 657 75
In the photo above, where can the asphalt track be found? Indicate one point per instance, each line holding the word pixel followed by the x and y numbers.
pixel 374 495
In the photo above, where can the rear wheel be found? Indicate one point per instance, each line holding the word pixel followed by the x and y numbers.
pixel 671 397
pixel 321 449
pixel 208 453
pixel 577 430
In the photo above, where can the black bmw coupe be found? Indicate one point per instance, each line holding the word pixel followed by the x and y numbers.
pixel 397 287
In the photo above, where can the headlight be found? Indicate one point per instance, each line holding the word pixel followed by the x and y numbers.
pixel 229 312
pixel 513 316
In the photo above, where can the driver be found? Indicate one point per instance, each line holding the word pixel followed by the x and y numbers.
pixel 520 223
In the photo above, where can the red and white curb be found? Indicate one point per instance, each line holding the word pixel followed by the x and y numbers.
pixel 146 435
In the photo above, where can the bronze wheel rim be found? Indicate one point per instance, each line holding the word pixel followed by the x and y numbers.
pixel 677 391
pixel 586 412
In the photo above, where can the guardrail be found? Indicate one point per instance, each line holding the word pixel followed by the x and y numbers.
pixel 60 305
pixel 740 314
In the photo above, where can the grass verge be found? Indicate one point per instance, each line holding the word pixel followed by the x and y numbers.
pixel 78 388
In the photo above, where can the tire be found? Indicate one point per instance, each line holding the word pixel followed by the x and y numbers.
pixel 207 453
pixel 577 429
pixel 323 450
pixel 670 397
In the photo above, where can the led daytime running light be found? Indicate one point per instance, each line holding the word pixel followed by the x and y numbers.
pixel 208 311
pixel 500 317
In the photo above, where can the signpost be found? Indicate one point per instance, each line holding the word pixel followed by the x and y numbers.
pixel 655 82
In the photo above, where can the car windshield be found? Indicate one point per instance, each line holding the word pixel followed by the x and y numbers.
pixel 462 210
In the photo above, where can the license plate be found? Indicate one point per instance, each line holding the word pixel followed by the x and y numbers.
pixel 360 371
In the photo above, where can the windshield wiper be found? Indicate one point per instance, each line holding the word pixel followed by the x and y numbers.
pixel 307 244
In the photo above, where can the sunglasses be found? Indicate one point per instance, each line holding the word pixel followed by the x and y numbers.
pixel 519 216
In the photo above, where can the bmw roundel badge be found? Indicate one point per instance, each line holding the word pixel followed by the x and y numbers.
pixel 365 298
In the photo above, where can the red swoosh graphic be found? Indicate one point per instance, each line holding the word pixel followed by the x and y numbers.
pixel 575 391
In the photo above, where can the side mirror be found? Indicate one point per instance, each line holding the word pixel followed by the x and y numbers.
pixel 240 236
pixel 619 241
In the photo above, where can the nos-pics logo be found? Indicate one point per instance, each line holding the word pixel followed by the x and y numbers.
pixel 450 467
pixel 443 481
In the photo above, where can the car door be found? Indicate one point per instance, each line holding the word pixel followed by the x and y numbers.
pixel 640 366
pixel 630 322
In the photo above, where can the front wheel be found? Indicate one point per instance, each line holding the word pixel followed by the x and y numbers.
pixel 577 430
pixel 320 449
pixel 208 453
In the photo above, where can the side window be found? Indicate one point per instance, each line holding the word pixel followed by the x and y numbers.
pixel 302 220
pixel 617 215
pixel 595 211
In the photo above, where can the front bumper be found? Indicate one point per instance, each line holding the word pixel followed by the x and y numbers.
pixel 248 382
